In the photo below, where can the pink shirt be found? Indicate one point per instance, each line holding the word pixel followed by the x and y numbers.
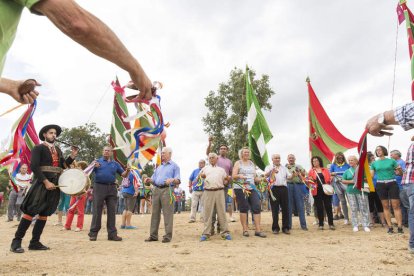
pixel 226 164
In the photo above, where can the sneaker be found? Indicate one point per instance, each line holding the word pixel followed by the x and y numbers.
pixel 78 229
pixel 400 230
pixel 346 222
pixel 260 234
pixel 122 226
pixel 130 227
pixel 38 246
pixel 390 230
pixel 64 228
pixel 366 229
pixel 355 229
pixel 275 232
pixel 227 237
pixel 332 227
pixel 320 228
pixel 58 224
pixel 232 219
pixel 204 238
pixel 246 233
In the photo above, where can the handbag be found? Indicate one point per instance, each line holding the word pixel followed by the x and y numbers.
pixel 327 189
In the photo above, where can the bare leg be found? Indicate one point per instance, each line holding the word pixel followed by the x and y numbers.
pixel 257 222
pixel 243 221
pixel 387 213
pixel 397 211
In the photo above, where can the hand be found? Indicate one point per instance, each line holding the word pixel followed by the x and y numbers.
pixel 210 139
pixel 24 91
pixel 377 129
pixel 141 82
pixel 203 175
pixel 148 180
pixel 74 151
pixel 169 181
pixel 49 185
pixel 97 164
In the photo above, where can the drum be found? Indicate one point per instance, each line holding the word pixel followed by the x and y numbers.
pixel 74 182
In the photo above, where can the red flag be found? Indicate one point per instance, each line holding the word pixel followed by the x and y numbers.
pixel 400 14
pixel 324 138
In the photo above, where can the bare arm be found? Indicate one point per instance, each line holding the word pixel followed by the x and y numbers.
pixel 375 128
pixel 93 34
pixel 11 88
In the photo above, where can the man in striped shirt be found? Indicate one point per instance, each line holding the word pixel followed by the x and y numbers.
pixel 378 126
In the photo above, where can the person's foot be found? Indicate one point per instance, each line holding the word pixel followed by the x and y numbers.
pixel 390 230
pixel 38 246
pixel 286 231
pixel 366 229
pixel 165 240
pixel 411 250
pixel 58 224
pixel 122 226
pixel 346 222
pixel 355 229
pixel 304 228
pixel 151 239
pixel 78 229
pixel 332 227
pixel 92 238
pixel 341 216
pixel 246 233
pixel 232 219
pixel 227 237
pixel 64 228
pixel 400 230
pixel 320 228
pixel 275 232
pixel 336 217
pixel 204 238
pixel 260 234
pixel 114 238
pixel 16 246
pixel 191 221
pixel 8 220
pixel 130 227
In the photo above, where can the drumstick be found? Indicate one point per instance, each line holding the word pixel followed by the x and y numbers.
pixel 66 143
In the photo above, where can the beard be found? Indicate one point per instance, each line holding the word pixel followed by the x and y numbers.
pixel 51 141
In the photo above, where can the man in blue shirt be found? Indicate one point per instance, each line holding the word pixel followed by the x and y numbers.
pixel 196 189
pixel 164 178
pixel 104 190
pixel 396 155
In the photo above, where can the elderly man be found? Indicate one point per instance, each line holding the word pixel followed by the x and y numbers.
pixel 215 179
pixel 79 25
pixel 279 176
pixel 105 190
pixel 379 125
pixel 16 197
pixel 47 163
pixel 196 189
pixel 164 178
pixel 296 189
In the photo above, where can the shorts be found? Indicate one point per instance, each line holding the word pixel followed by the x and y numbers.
pixel 251 202
pixel 335 200
pixel 64 202
pixel 229 199
pixel 129 201
pixel 388 190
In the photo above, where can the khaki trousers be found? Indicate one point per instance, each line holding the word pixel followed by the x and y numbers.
pixel 215 199
pixel 161 201
pixel 196 199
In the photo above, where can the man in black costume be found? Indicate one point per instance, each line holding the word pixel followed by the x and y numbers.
pixel 47 163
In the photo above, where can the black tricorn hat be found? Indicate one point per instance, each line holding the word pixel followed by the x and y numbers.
pixel 46 129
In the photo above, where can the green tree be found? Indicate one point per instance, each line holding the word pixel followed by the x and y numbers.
pixel 89 138
pixel 149 169
pixel 227 110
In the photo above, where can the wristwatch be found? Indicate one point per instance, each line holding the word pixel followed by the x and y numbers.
pixel 381 119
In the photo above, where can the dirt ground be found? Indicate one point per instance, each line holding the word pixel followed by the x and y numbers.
pixel 314 252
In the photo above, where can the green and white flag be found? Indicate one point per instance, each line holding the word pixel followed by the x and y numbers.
pixel 258 131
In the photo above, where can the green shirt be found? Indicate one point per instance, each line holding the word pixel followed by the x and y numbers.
pixel 349 175
pixel 10 12
pixel 384 169
pixel 293 168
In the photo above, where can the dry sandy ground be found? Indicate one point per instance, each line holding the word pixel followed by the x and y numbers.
pixel 315 252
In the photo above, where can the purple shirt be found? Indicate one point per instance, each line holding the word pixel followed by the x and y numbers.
pixel 226 164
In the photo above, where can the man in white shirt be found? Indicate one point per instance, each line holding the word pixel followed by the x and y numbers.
pixel 215 179
pixel 16 197
pixel 278 176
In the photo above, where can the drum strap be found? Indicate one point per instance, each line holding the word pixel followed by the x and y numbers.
pixel 51 169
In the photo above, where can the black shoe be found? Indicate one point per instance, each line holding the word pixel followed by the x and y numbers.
pixel 114 238
pixel 165 240
pixel 400 230
pixel 390 230
pixel 151 239
pixel 37 246
pixel 275 232
pixel 305 228
pixel 16 246
pixel 332 227
pixel 92 238
pixel 286 231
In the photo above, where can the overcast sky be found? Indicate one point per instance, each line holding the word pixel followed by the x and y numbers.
pixel 346 47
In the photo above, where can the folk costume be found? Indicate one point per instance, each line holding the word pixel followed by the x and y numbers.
pixel 47 162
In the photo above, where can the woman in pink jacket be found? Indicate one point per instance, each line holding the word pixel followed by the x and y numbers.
pixel 319 175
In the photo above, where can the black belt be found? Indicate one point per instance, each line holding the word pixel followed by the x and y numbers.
pixel 51 169
pixel 162 186
pixel 213 189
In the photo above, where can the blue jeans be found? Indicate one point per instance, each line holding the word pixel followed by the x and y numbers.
pixel 88 209
pixel 121 205
pixel 295 193
pixel 408 201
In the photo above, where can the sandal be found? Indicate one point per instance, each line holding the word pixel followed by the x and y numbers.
pixel 260 234
pixel 246 233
